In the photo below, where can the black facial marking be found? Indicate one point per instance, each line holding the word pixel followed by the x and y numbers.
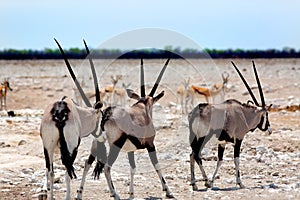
pixel 260 125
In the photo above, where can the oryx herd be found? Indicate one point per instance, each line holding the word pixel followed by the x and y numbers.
pixel 65 123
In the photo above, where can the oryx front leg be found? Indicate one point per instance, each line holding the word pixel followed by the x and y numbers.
pixel 154 161
pixel 132 172
pixel 112 156
pixel 237 147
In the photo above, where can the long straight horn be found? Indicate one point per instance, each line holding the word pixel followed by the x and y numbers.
pixel 85 99
pixel 259 86
pixel 159 78
pixel 97 93
pixel 143 93
pixel 246 84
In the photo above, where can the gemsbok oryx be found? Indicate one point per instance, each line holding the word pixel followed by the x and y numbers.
pixel 129 129
pixel 3 90
pixel 229 121
pixel 63 125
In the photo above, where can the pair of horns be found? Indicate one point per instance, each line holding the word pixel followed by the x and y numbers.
pixel 143 93
pixel 263 104
pixel 97 93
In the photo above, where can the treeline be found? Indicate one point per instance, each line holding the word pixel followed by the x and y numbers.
pixel 168 52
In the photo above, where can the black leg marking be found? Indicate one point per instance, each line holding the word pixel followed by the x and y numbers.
pixel 101 153
pixel 131 159
pixel 237 148
pixel 91 159
pixel 152 154
pixel 115 149
pixel 47 159
pixel 223 135
pixel 136 142
pixel 220 152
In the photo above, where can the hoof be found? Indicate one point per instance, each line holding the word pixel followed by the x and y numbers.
pixel 115 196
pixel 209 184
pixel 195 188
pixel 170 196
pixel 131 195
pixel 241 185
pixel 43 195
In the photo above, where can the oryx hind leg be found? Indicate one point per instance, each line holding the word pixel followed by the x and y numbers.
pixel 154 161
pixel 132 172
pixel 49 176
pixel 197 146
pixel 98 150
pixel 87 166
pixel 221 149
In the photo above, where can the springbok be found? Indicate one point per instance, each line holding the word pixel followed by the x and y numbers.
pixel 63 125
pixel 3 90
pixel 230 121
pixel 130 129
pixel 120 94
pixel 109 89
pixel 215 90
pixel 186 95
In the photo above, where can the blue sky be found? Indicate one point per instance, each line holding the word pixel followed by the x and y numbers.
pixel 221 24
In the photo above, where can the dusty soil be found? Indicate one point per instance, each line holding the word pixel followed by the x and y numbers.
pixel 269 163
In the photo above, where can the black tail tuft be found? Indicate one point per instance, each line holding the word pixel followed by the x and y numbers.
pixel 66 157
pixel 98 169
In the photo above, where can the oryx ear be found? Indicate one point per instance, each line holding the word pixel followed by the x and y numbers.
pixel 160 95
pixel 269 107
pixel 132 95
pixel 98 105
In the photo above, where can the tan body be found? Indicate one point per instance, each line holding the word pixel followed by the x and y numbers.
pixel 229 121
pixel 4 87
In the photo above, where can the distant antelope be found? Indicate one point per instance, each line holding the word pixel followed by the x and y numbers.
pixel 3 90
pixel 63 125
pixel 109 89
pixel 130 129
pixel 186 95
pixel 215 90
pixel 230 121
pixel 120 94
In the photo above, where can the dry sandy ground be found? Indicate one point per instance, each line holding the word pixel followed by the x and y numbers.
pixel 269 163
